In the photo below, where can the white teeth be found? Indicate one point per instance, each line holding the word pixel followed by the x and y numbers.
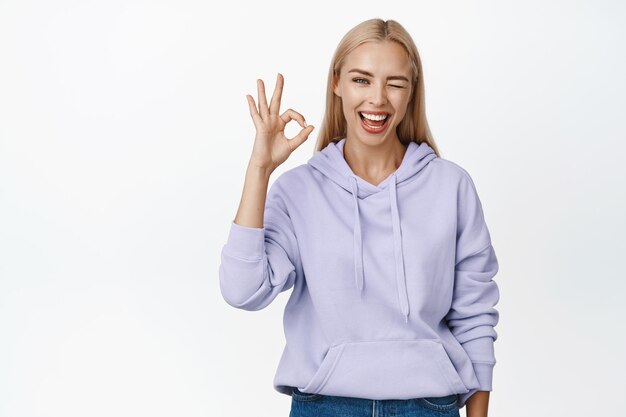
pixel 374 116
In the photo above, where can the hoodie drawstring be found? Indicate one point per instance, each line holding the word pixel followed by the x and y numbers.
pixel 358 244
pixel 399 252
pixel 397 245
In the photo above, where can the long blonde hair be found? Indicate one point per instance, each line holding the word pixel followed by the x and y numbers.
pixel 414 126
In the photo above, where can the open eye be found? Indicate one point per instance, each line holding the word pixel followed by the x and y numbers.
pixel 356 80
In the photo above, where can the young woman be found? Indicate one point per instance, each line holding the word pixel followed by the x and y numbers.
pixel 383 242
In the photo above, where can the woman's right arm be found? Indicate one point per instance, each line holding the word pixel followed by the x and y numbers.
pixel 252 204
pixel 260 256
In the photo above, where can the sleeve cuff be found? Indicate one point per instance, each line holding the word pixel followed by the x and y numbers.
pixel 484 374
pixel 481 353
pixel 246 242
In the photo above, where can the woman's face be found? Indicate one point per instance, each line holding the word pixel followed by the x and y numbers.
pixel 375 78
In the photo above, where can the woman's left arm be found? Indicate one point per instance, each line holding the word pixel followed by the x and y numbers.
pixel 478 404
pixel 472 317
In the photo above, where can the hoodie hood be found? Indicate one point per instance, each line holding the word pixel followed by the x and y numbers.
pixel 331 162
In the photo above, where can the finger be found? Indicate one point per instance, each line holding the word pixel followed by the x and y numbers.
pixel 263 110
pixel 253 110
pixel 291 114
pixel 301 137
pixel 278 91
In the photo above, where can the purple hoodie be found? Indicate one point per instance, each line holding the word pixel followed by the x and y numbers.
pixel 393 293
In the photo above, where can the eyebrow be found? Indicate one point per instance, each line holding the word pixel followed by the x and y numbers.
pixel 393 77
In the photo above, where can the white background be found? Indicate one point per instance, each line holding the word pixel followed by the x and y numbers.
pixel 124 138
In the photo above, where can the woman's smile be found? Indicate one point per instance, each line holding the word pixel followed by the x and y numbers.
pixel 373 123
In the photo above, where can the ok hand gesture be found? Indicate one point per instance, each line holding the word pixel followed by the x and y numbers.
pixel 271 147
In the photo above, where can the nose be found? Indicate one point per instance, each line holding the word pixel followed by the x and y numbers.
pixel 379 95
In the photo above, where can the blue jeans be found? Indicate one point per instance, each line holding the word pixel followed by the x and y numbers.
pixel 316 405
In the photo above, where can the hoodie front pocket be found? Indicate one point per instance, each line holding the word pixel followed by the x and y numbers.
pixel 387 369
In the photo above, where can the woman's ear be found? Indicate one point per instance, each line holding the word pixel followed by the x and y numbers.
pixel 336 86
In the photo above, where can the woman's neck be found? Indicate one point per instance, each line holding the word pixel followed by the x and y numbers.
pixel 374 163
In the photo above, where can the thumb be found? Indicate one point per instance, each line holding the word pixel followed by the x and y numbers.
pixel 301 137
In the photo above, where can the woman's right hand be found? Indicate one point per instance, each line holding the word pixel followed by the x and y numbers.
pixel 271 147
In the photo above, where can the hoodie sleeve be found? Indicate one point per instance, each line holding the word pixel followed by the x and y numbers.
pixel 259 263
pixel 472 316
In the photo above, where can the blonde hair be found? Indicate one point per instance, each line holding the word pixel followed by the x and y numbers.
pixel 414 126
